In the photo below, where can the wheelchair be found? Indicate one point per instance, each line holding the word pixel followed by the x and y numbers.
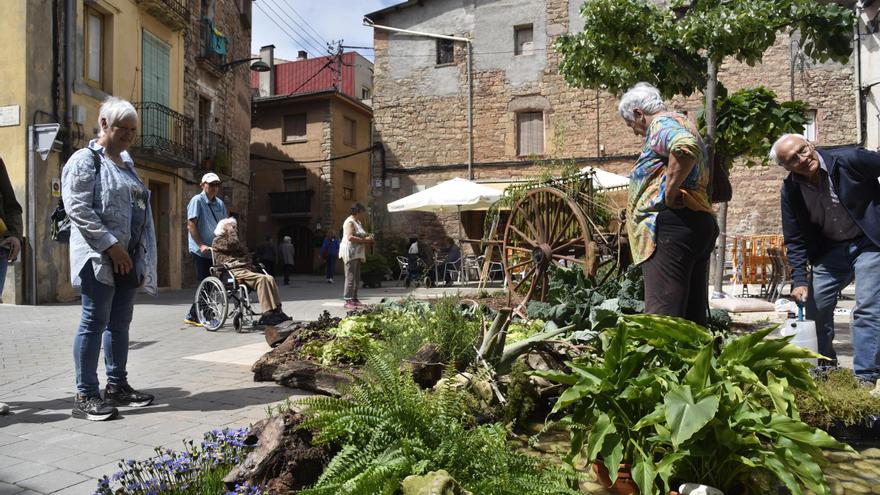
pixel 220 296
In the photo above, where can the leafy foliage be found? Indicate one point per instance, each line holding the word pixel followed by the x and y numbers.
pixel 841 398
pixel 520 403
pixel 749 120
pixel 574 298
pixel 389 428
pixel 627 41
pixel 666 397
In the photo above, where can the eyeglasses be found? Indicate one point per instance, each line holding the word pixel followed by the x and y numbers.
pixel 802 151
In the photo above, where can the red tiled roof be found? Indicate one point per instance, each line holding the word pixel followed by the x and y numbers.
pixel 310 75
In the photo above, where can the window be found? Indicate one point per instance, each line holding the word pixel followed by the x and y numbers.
pixel 295 180
pixel 294 128
pixel 445 52
pixel 93 67
pixel 348 181
pixel 810 126
pixel 522 39
pixel 530 133
pixel 365 93
pixel 349 132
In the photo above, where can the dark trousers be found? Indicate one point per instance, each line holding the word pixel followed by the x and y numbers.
pixel 676 274
pixel 288 269
pixel 331 266
pixel 203 270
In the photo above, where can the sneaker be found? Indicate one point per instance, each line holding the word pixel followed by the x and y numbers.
pixel 4 409
pixel 124 395
pixel 358 303
pixel 350 305
pixel 92 408
pixel 329 280
pixel 192 322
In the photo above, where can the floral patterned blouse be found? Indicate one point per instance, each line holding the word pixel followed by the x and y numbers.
pixel 668 132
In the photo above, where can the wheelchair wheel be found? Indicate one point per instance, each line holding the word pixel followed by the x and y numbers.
pixel 236 322
pixel 211 303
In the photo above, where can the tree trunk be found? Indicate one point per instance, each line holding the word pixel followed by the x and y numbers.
pixel 711 117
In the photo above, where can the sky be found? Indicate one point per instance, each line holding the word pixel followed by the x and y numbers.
pixel 293 25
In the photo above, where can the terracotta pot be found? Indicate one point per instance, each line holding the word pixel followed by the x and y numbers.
pixel 624 485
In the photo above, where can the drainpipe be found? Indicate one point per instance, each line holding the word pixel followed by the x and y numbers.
pixel 860 96
pixel 470 92
pixel 69 23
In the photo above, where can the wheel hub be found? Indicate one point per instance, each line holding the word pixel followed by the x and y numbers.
pixel 542 255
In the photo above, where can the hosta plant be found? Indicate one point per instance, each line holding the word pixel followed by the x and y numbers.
pixel 680 405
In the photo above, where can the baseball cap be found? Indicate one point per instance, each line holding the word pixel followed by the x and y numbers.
pixel 210 178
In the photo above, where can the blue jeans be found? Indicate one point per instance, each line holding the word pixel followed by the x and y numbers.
pixel 331 265
pixel 106 315
pixel 859 259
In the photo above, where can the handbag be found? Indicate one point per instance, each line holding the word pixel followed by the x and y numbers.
pixel 58 220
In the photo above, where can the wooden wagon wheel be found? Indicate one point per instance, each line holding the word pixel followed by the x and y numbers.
pixel 545 226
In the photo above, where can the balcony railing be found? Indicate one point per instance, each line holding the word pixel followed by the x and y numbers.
pixel 164 135
pixel 174 13
pixel 207 49
pixel 297 203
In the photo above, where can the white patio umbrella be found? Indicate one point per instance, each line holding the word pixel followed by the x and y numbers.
pixel 452 195
pixel 606 180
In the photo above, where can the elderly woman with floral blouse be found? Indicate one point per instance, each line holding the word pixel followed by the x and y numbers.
pixel 670 221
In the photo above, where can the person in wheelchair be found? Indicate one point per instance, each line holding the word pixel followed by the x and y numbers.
pixel 230 252
pixel 420 260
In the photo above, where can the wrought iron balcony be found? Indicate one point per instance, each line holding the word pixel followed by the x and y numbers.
pixel 291 204
pixel 164 135
pixel 173 13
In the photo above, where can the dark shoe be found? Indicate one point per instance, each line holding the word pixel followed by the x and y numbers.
pixel 124 395
pixel 350 305
pixel 92 408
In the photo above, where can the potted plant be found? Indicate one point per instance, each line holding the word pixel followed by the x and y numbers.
pixel 672 403
pixel 373 270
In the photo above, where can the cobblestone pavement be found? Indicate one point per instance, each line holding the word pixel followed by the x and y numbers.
pixel 43 450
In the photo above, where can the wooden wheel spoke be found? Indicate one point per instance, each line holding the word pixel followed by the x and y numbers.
pixel 568 244
pixel 521 249
pixel 526 276
pixel 553 234
pixel 545 279
pixel 526 238
pixel 523 263
pixel 568 258
pixel 563 230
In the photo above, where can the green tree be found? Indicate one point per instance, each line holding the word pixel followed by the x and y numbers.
pixel 678 47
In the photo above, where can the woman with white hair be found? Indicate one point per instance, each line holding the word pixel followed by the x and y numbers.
pixel 112 255
pixel 670 221
pixel 230 251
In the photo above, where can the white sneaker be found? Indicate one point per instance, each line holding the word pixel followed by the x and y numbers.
pixel 329 280
pixel 4 409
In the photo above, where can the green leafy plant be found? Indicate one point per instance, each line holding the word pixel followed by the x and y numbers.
pixel 389 429
pixel 666 397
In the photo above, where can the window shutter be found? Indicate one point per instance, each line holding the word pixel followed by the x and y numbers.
pixel 530 133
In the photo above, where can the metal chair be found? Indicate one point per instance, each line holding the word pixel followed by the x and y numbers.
pixel 403 264
pixel 454 267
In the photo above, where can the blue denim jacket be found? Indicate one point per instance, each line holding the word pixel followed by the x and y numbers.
pixel 100 216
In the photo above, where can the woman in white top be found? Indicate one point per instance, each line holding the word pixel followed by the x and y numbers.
pixel 353 254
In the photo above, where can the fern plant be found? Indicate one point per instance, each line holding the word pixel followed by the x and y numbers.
pixel 388 428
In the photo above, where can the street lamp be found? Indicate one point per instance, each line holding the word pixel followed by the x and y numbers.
pixel 258 66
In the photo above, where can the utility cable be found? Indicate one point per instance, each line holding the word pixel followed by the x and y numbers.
pixel 283 30
pixel 309 25
pixel 280 160
pixel 301 33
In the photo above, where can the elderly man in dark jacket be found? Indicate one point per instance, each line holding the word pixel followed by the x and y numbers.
pixel 831 221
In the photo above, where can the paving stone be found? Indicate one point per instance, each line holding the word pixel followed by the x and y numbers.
pixel 8 489
pixel 53 481
pixel 83 461
pixel 85 488
pixel 23 471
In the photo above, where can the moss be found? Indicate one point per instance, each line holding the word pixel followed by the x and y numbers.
pixel 520 399
pixel 845 400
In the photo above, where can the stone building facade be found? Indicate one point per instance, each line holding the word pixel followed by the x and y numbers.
pixel 420 107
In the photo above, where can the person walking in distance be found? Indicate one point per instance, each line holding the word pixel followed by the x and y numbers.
pixel 204 212
pixel 112 254
pixel 329 252
pixel 287 253
pixel 10 233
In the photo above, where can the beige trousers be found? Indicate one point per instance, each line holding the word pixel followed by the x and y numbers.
pixel 267 291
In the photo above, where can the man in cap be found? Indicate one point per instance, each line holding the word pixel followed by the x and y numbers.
pixel 205 210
